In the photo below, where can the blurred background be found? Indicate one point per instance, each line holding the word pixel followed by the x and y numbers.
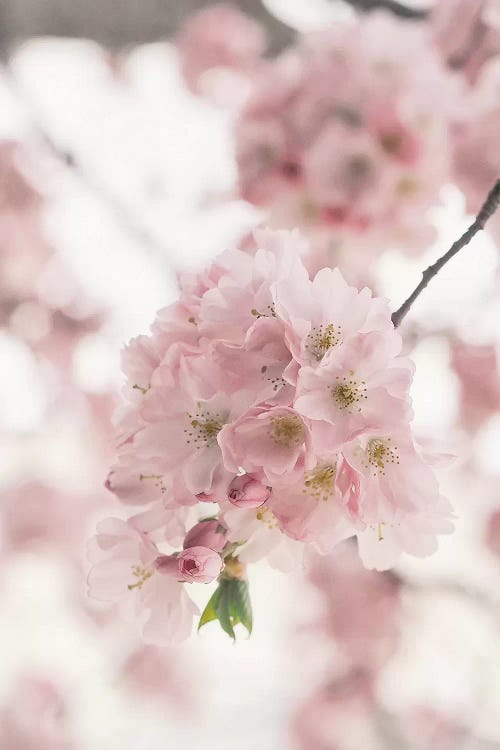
pixel 119 168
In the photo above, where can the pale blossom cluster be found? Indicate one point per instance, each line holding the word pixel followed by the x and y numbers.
pixel 346 135
pixel 467 33
pixel 45 313
pixel 362 623
pixel 276 407
pixel 476 146
pixel 34 717
pixel 219 50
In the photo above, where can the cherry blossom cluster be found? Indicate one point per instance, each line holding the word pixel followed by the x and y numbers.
pixel 342 136
pixel 277 408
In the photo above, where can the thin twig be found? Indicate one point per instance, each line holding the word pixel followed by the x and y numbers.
pixel 399 9
pixel 490 205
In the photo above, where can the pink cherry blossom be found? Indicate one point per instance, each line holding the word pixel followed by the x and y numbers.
pixel 324 312
pixel 355 388
pixel 275 441
pixel 258 534
pixel 400 506
pixel 124 572
pixel 284 403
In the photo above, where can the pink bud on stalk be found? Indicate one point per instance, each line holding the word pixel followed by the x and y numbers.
pixel 210 533
pixel 193 565
pixel 247 492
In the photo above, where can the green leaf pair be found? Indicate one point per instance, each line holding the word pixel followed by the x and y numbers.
pixel 230 605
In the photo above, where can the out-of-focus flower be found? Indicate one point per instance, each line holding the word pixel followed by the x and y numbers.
pixel 35 718
pixel 476 150
pixel 467 33
pixel 218 48
pixel 354 148
pixel 479 376
pixel 493 533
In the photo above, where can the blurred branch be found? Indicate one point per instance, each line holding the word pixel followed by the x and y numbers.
pixel 117 25
pixel 119 210
pixel 395 7
pixel 489 207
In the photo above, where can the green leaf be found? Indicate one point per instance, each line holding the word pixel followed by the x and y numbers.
pixel 241 607
pixel 230 605
pixel 224 608
pixel 210 611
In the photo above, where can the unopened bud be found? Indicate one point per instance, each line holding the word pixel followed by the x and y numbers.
pixel 247 492
pixel 210 533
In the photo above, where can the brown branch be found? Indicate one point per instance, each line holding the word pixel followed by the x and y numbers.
pixel 117 25
pixel 395 7
pixel 489 207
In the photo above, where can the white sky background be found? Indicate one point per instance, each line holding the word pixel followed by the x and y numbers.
pixel 158 150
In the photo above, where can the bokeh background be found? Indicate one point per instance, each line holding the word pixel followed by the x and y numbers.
pixel 114 177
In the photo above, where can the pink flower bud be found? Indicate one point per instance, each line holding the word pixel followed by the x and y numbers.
pixel 247 492
pixel 195 564
pixel 210 533
pixel 199 564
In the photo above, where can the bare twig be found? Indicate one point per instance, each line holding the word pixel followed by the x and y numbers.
pixel 489 207
pixel 399 9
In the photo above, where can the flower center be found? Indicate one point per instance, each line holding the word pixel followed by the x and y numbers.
pixel 320 482
pixel 142 574
pixel 203 428
pixel 347 392
pixel 379 454
pixel 267 517
pixel 269 312
pixel 274 375
pixel 157 479
pixel 288 431
pixel 321 339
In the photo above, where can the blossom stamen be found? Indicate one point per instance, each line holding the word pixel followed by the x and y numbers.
pixel 267 517
pixel 288 431
pixel 321 339
pixel 270 312
pixel 320 482
pixel 379 454
pixel 203 428
pixel 348 393
pixel 143 574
